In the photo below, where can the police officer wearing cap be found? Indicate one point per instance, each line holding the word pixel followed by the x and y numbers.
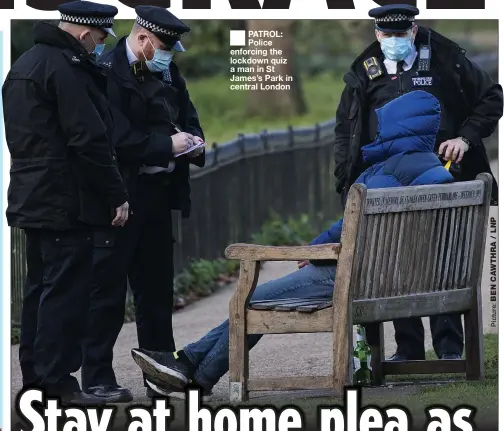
pixel 154 121
pixel 64 184
pixel 405 58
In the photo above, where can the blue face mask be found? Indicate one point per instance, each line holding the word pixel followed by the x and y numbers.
pixel 160 61
pixel 99 47
pixel 396 48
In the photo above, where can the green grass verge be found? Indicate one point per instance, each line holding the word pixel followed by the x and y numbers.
pixel 223 113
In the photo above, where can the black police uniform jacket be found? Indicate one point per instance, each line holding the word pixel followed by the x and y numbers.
pixel 478 100
pixel 141 139
pixel 57 124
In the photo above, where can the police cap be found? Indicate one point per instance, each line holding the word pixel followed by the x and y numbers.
pixel 166 26
pixel 394 18
pixel 89 14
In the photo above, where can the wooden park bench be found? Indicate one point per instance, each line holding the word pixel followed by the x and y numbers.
pixel 404 252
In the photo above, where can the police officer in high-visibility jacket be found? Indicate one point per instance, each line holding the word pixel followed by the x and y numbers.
pixel 404 58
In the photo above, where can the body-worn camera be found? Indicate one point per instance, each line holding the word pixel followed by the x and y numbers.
pixel 373 68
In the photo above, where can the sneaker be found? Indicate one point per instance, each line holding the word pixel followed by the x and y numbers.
pixel 399 357
pixel 162 366
pixel 450 356
pixel 156 389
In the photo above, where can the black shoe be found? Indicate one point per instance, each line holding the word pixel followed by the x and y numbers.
pixel 162 367
pixel 157 389
pixel 81 399
pixel 450 356
pixel 111 394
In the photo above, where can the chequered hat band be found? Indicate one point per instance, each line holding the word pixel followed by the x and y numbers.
pixel 155 28
pixel 395 18
pixel 88 20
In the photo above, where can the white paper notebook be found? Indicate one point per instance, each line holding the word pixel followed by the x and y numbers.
pixel 194 147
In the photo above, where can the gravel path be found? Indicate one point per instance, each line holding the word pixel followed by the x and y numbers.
pixel 308 354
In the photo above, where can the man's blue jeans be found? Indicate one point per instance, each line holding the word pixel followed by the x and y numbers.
pixel 210 355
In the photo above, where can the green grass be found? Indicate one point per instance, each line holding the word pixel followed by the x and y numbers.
pixel 491 365
pixel 223 113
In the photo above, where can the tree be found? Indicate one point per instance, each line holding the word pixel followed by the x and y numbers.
pixel 278 103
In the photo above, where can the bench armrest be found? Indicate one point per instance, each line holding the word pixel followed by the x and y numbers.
pixel 253 252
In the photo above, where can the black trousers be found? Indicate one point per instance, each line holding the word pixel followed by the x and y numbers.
pixel 447 336
pixel 55 306
pixel 142 251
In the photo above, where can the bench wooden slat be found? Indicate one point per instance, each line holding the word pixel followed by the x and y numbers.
pixel 371 255
pixel 402 199
pixel 313 308
pixel 381 278
pixel 307 306
pixel 281 322
pixel 467 246
pixel 452 281
pixel 392 262
pixel 397 279
pixel 424 367
pixel 364 260
pixel 285 303
pixel 417 305
pixel 407 255
pixel 274 253
pixel 428 275
pixel 458 276
pixel 293 307
pixel 421 249
pixel 441 248
pixel 364 311
pixel 472 261
pixel 291 383
pixel 449 252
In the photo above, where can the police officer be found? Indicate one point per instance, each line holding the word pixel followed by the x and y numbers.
pixel 404 58
pixel 64 184
pixel 154 121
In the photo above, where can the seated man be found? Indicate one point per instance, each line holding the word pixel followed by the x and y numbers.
pixel 401 155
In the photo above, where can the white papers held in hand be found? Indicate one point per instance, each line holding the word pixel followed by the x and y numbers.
pixel 192 148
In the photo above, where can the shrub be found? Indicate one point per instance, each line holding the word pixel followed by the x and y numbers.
pixel 291 232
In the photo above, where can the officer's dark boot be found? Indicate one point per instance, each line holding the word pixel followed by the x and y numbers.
pixel 409 336
pixel 447 336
